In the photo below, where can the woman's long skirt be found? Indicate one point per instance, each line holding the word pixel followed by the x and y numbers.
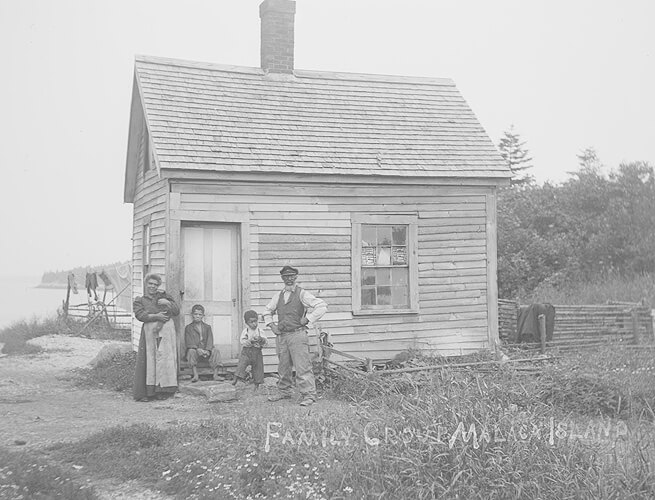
pixel 156 362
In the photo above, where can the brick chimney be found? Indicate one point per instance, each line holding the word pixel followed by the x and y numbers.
pixel 277 35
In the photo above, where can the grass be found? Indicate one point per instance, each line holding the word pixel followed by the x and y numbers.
pixel 16 336
pixel 23 475
pixel 609 287
pixel 579 430
pixel 607 382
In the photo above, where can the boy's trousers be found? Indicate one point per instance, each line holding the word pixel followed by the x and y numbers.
pixel 251 356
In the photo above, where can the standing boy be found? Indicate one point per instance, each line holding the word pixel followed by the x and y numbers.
pixel 252 340
pixel 295 308
pixel 199 341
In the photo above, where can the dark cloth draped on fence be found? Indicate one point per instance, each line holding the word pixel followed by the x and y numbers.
pixel 528 323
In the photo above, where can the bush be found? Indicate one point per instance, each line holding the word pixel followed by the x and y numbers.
pixel 16 335
pixel 555 235
pixel 115 375
pixel 601 289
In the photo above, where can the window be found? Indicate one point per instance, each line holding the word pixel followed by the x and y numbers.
pixel 384 264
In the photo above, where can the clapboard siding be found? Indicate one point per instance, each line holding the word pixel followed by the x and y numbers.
pixel 309 226
pixel 150 207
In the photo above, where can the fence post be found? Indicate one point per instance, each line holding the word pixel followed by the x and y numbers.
pixel 542 332
pixel 67 302
pixel 635 325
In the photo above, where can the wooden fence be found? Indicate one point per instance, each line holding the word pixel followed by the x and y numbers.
pixel 588 324
pixel 111 315
pixel 508 318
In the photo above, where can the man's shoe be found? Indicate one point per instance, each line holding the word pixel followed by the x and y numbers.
pixel 307 402
pixel 279 396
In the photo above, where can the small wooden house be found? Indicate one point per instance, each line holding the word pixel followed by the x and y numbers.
pixel 380 189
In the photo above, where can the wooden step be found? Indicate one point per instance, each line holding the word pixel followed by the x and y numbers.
pixel 228 368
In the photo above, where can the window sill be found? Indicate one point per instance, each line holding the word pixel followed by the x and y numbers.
pixel 385 312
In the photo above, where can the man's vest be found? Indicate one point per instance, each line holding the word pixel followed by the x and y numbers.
pixel 290 314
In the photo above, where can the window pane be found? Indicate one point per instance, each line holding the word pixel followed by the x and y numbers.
pixel 384 295
pixel 399 256
pixel 384 276
pixel 368 296
pixel 399 276
pixel 368 277
pixel 384 235
pixel 400 235
pixel 368 235
pixel 384 256
pixel 369 256
pixel 399 296
pixel 385 267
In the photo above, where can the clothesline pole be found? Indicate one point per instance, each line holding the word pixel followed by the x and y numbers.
pixel 104 309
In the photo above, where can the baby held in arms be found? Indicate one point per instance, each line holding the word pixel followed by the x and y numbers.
pixel 165 307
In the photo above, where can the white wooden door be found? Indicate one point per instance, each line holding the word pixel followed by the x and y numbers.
pixel 211 278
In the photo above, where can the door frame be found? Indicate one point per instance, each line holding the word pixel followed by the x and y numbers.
pixel 174 254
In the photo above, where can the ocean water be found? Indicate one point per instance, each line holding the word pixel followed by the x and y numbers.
pixel 21 300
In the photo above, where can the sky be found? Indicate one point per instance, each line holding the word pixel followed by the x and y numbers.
pixel 566 74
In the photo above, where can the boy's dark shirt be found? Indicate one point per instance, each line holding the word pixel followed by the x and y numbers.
pixel 194 340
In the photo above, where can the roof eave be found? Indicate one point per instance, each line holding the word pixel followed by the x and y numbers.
pixel 181 173
pixel 129 188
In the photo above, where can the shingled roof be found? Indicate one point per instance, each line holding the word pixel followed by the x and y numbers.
pixel 225 118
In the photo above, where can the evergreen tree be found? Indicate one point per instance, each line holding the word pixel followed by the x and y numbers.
pixel 513 151
pixel 589 161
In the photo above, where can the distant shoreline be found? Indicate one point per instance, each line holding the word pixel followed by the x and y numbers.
pixel 63 286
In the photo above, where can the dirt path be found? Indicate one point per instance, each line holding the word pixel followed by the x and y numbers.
pixel 40 404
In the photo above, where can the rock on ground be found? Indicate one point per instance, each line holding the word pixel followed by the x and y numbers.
pixel 215 392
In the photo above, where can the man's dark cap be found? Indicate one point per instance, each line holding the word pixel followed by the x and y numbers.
pixel 288 270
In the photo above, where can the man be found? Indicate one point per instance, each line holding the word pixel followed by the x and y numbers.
pixel 295 308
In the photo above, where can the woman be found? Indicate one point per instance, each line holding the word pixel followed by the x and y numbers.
pixel 156 364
